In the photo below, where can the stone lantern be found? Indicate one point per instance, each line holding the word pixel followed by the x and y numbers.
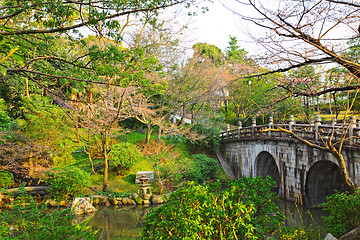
pixel 144 190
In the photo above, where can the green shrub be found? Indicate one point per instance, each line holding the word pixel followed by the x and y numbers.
pixel 6 179
pixel 27 220
pixel 123 156
pixel 68 183
pixel 173 139
pixel 212 139
pixel 299 233
pixel 202 168
pixel 245 210
pixel 6 122
pixel 343 209
pixel 120 194
pixel 259 192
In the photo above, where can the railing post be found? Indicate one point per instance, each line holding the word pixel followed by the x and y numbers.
pixel 239 128
pixel 317 125
pixel 291 122
pixel 352 121
pixel 333 122
pixel 228 131
pixel 312 125
pixel 271 124
pixel 253 125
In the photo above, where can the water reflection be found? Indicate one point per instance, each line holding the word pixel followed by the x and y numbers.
pixel 119 222
pixel 125 222
pixel 297 215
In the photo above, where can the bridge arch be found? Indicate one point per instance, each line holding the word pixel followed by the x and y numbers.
pixel 265 165
pixel 323 179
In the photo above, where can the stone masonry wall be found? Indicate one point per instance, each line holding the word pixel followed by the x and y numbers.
pixel 294 161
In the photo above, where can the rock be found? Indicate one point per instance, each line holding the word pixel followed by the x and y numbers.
pixel 128 201
pixel 138 200
pixel 125 200
pixel 81 206
pixel 352 235
pixel 329 236
pixel 157 199
pixel 132 201
pixel 148 174
pixel 115 200
pixel 97 199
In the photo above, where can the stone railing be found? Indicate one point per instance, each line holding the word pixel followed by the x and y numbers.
pixel 313 132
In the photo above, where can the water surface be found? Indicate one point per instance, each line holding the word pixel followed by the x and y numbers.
pixel 119 222
pixel 125 222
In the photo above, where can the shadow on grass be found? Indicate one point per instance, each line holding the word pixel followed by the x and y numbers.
pixel 130 178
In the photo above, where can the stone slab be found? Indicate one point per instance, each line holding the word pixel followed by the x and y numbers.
pixel 149 174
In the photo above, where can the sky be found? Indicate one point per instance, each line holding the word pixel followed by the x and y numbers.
pixel 216 25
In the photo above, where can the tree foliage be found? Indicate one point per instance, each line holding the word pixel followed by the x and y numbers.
pixel 235 54
pixel 342 209
pixel 242 211
pixel 209 51
pixel 51 72
pixel 123 156
pixel 202 168
pixel 67 183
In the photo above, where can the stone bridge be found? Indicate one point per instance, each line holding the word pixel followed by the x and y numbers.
pixel 303 173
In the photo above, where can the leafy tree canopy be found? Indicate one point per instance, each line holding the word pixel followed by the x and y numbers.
pixel 234 53
pixel 209 51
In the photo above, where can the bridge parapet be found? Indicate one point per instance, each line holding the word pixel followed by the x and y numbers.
pixel 314 132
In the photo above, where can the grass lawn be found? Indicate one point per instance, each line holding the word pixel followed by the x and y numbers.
pixel 342 115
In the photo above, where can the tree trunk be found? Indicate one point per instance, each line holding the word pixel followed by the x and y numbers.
pixel 192 112
pixel 318 105
pixel 89 100
pixel 77 119
pixel 182 115
pixel 159 133
pixel 159 177
pixel 237 111
pixel 106 161
pixel 148 134
pixel 27 88
pixel 226 105
pixel 77 128
pixel 341 161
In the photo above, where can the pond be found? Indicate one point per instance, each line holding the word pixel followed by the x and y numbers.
pixel 125 222
pixel 297 215
pixel 119 222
